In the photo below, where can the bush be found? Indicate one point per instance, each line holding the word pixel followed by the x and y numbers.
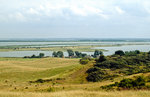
pixel 119 52
pixel 84 61
pixel 112 64
pixel 102 58
pixel 97 75
pixel 138 83
pixel 93 69
pixel 126 83
pixel 51 89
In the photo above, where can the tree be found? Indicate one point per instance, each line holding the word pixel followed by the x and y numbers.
pixel 101 58
pixel 33 56
pixel 100 52
pixel 149 52
pixel 78 54
pixel 97 53
pixel 119 52
pixel 41 55
pixel 70 52
pixel 84 55
pixel 54 54
pixel 137 51
pixel 60 54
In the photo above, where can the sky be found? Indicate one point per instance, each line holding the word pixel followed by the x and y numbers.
pixel 74 19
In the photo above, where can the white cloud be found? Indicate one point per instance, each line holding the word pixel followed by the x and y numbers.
pixel 78 11
pixel 17 16
pixel 119 10
pixel 104 16
pixel 146 5
pixel 32 11
pixel 29 9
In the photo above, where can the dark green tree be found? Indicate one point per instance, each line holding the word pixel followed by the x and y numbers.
pixel 60 54
pixel 33 56
pixel 97 53
pixel 41 55
pixel 149 52
pixel 84 55
pixel 70 53
pixel 102 58
pixel 54 54
pixel 119 52
pixel 137 51
pixel 78 54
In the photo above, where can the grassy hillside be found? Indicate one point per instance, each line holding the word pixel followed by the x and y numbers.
pixel 62 77
pixel 17 72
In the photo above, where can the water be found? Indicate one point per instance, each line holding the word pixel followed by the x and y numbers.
pixel 26 53
pixel 142 46
pixel 54 44
pixel 111 50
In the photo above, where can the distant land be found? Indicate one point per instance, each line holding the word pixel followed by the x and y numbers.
pixel 76 39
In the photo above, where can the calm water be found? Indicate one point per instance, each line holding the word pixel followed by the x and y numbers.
pixel 52 44
pixel 26 53
pixel 111 50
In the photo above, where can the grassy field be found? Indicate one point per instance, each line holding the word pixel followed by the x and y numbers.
pixel 67 78
pixel 59 48
pixel 79 94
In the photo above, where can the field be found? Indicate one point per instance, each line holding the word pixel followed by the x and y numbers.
pixel 85 48
pixel 64 77
pixel 79 94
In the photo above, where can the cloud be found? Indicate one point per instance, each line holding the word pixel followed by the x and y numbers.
pixel 119 10
pixel 17 16
pixel 31 10
pixel 146 5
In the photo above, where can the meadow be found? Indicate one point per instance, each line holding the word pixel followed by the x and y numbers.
pixel 80 93
pixel 63 77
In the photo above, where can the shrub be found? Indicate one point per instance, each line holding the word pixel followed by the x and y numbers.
pixel 93 69
pixel 84 61
pixel 126 83
pixel 102 58
pixel 96 76
pixel 139 82
pixel 51 89
pixel 119 52
pixel 112 64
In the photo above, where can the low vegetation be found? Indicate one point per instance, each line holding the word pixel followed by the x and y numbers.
pixel 139 82
pixel 119 64
pixel 41 55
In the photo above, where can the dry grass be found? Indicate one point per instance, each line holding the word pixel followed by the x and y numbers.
pixel 78 94
pixel 16 72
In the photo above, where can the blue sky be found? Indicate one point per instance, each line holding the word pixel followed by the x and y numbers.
pixel 74 18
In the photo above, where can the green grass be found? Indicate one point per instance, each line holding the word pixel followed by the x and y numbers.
pixel 59 48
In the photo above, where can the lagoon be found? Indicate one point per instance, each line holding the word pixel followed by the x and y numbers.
pixel 111 50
